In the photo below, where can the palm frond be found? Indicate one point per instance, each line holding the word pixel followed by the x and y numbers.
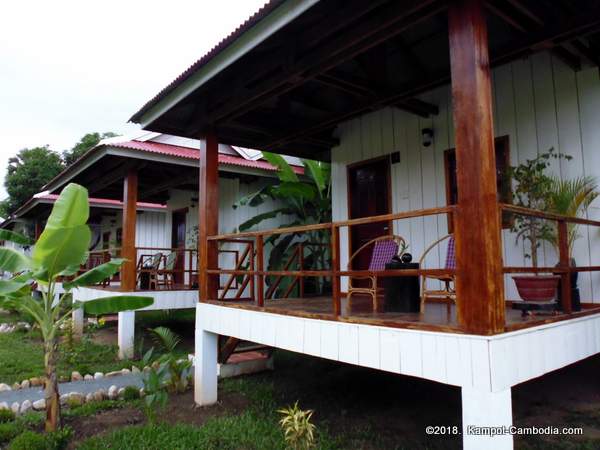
pixel 165 338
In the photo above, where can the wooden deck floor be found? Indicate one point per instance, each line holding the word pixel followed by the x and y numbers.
pixel 435 318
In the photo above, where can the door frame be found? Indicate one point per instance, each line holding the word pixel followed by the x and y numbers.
pixel 182 211
pixel 388 175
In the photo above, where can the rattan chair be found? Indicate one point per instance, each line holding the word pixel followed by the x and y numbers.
pixel 384 249
pixel 447 293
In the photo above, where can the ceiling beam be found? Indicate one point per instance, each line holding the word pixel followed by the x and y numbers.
pixel 587 52
pixel 166 185
pixel 582 24
pixel 506 17
pixel 113 176
pixel 570 59
pixel 389 21
pixel 518 5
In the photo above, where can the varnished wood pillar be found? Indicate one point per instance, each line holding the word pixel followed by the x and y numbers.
pixel 208 220
pixel 479 283
pixel 128 251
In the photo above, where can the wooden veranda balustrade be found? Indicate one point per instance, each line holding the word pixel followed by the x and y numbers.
pixel 256 270
pixel 256 273
pixel 564 267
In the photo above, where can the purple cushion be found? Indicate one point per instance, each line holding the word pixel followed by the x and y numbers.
pixel 383 252
pixel 451 255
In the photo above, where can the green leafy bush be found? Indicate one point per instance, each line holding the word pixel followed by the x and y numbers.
pixel 131 393
pixel 9 431
pixel 6 415
pixel 30 440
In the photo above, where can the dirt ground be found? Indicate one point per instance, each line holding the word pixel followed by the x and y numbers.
pixel 381 410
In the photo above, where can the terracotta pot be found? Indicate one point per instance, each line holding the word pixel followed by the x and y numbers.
pixel 540 288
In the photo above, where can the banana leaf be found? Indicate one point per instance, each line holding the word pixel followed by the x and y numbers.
pixel 285 171
pixel 13 261
pixel 17 238
pixel 115 304
pixel 97 274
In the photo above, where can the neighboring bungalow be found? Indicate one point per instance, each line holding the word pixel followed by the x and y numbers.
pixel 163 169
pixel 386 90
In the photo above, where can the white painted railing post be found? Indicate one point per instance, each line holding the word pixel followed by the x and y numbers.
pixel 77 322
pixel 126 336
pixel 205 364
pixel 483 409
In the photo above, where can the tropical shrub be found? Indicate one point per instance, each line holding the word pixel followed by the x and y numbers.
pixel 6 415
pixel 58 255
pixel 298 430
pixel 131 393
pixel 30 440
pixel 306 201
pixel 180 370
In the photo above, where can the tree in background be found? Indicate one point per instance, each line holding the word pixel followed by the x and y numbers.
pixel 33 168
pixel 26 173
pixel 85 143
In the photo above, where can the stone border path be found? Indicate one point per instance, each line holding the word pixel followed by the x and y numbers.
pixel 36 393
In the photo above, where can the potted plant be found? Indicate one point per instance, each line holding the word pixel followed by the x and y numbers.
pixel 571 198
pixel 532 190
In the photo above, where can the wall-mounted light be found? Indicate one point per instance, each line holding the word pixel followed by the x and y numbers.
pixel 426 137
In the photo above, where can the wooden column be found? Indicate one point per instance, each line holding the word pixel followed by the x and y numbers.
pixel 128 251
pixel 479 283
pixel 208 219
pixel 564 263
pixel 39 228
pixel 335 267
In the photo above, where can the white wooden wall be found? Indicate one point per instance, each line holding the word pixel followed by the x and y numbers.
pixel 492 363
pixel 149 229
pixel 538 102
pixel 230 191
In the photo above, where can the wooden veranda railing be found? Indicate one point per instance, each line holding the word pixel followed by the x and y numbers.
pixel 257 272
pixel 564 267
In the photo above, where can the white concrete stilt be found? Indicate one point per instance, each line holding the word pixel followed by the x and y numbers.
pixel 205 365
pixel 126 334
pixel 77 322
pixel 484 409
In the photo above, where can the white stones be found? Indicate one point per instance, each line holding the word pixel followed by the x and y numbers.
pixel 147 369
pixel 88 377
pixel 4 387
pixel 98 375
pixel 39 405
pixel 89 397
pixel 16 386
pixel 76 399
pixel 125 371
pixel 76 376
pixel 112 374
pixel 99 395
pixel 25 406
pixel 142 393
pixel 120 392
pixel 10 327
pixel 25 384
pixel 4 405
pixel 63 399
pixel 134 369
pixel 35 381
pixel 113 392
pixel 15 408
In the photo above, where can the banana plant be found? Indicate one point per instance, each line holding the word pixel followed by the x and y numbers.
pixel 306 201
pixel 58 255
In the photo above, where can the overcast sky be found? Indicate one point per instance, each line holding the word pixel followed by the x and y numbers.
pixel 72 67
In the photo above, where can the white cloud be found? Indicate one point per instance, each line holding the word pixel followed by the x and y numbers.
pixel 72 67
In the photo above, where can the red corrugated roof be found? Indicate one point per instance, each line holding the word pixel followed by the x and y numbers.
pixel 190 153
pixel 249 23
pixel 106 201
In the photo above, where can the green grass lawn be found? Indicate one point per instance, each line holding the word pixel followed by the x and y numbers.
pixel 21 357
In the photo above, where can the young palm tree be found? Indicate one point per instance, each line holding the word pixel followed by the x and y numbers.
pixel 59 252
pixel 571 198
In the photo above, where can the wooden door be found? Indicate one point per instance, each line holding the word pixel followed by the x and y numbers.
pixel 178 242
pixel 368 195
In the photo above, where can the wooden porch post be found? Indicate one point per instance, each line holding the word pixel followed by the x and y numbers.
pixel 128 251
pixel 208 220
pixel 479 283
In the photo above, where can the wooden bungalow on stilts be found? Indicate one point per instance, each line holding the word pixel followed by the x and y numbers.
pixel 385 90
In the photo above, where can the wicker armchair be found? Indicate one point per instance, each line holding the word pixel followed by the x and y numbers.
pixel 447 293
pixel 384 249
